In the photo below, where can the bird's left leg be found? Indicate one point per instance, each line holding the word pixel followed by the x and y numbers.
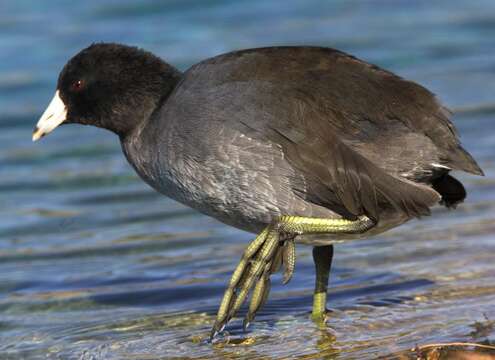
pixel 273 246
pixel 322 257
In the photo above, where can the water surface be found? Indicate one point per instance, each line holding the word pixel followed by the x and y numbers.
pixel 95 265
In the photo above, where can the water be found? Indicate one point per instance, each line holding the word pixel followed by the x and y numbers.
pixel 95 265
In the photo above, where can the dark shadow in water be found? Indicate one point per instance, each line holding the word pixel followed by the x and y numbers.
pixel 75 183
pixel 294 304
pixel 156 297
pixel 83 223
pixel 102 251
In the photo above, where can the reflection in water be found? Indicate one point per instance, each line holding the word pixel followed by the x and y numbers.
pixel 95 265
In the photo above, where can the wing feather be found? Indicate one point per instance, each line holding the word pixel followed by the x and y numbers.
pixel 340 178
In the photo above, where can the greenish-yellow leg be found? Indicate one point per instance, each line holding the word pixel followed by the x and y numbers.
pixel 303 225
pixel 271 248
pixel 322 257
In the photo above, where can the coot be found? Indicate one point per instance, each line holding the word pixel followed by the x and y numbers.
pixel 297 144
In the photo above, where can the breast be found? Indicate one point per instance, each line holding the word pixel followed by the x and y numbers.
pixel 221 178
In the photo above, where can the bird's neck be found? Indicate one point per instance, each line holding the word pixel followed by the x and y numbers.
pixel 139 112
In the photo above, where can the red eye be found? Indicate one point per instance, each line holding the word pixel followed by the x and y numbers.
pixel 77 85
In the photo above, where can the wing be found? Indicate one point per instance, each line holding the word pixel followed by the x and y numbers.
pixel 371 110
pixel 336 176
pixel 349 128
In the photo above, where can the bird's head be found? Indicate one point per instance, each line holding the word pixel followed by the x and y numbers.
pixel 107 85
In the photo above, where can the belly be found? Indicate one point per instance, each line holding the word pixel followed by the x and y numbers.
pixel 245 200
pixel 241 189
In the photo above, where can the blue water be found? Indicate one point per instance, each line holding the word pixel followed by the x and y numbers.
pixel 95 265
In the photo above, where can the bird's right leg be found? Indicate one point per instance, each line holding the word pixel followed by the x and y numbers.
pixel 257 262
pixel 273 246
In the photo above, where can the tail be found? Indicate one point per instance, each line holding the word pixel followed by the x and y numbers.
pixel 460 159
pixel 450 189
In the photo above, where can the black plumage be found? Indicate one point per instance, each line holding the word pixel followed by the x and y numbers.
pixel 251 136
pixel 324 133
pixel 360 140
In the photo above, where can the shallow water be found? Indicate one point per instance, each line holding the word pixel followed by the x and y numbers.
pixel 95 265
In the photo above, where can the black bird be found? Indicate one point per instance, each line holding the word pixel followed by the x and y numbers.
pixel 297 144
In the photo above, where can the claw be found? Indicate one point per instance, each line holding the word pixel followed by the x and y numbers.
pixel 289 260
pixel 229 296
pixel 215 330
pixel 262 259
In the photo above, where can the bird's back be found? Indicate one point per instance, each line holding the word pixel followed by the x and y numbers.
pixel 332 130
pixel 396 123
